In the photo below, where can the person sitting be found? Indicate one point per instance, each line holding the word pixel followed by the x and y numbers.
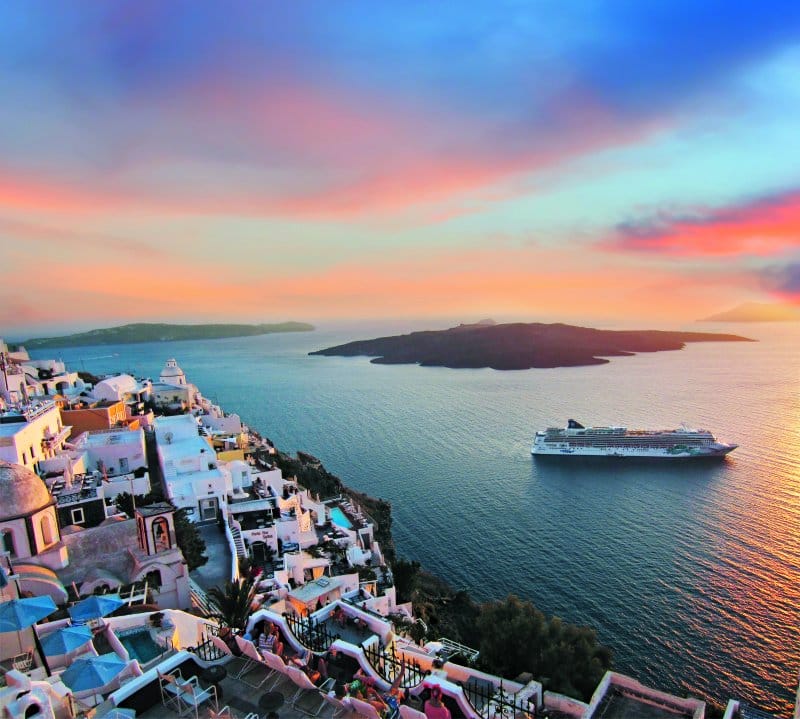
pixel 437 669
pixel 339 616
pixel 311 664
pixel 226 635
pixel 270 641
pixel 434 707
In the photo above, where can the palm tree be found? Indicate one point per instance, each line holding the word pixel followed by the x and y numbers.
pixel 234 601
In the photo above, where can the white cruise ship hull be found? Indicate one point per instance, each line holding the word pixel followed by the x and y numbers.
pixel 677 452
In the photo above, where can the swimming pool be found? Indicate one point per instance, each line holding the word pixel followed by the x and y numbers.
pixel 140 645
pixel 339 519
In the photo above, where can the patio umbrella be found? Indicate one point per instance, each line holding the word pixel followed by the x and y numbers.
pixel 98 605
pixel 18 614
pixel 66 640
pixel 92 672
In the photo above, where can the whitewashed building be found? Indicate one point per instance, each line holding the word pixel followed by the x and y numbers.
pixel 192 477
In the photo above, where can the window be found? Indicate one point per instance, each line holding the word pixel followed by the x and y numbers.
pixel 48 535
pixel 77 515
pixel 8 542
pixel 160 531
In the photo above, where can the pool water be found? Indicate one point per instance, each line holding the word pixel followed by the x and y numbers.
pixel 339 519
pixel 140 646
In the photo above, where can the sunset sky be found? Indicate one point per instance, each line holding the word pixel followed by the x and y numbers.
pixel 319 161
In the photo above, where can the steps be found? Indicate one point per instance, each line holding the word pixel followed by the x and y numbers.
pixel 241 550
pixel 201 601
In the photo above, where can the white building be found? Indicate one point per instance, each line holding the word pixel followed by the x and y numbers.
pixel 192 477
pixel 122 388
pixel 32 433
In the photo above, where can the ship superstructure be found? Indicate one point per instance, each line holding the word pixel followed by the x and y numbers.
pixel 580 441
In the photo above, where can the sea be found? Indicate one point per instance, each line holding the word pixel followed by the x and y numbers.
pixel 690 572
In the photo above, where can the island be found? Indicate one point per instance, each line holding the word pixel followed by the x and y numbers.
pixel 158 332
pixel 518 346
pixel 757 312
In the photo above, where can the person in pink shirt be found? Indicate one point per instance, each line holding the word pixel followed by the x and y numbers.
pixel 434 707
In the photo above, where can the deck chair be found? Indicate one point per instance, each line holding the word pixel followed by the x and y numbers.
pixel 407 712
pixel 171 686
pixel 253 660
pixel 364 709
pixel 193 696
pixel 278 666
pixel 225 650
pixel 340 706
pixel 304 685
pixel 23 662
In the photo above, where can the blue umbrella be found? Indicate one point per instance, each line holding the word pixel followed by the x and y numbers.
pixel 95 606
pixel 66 640
pixel 89 673
pixel 18 614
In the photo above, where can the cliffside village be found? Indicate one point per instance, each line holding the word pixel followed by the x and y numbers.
pixel 100 615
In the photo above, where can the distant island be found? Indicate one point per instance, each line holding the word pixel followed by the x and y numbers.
pixel 757 312
pixel 144 332
pixel 518 346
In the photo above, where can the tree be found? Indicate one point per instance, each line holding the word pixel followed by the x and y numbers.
pixel 405 576
pixel 516 638
pixel 189 540
pixel 234 600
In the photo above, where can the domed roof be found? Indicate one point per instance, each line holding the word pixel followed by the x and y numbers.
pixel 171 369
pixel 21 491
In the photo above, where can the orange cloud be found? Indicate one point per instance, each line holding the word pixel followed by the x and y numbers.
pixel 761 228
pixel 523 282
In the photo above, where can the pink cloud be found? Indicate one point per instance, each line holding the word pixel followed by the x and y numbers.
pixel 313 153
pixel 760 228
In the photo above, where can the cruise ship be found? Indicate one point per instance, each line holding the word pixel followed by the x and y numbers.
pixel 579 441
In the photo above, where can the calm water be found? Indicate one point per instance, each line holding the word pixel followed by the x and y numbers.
pixel 691 573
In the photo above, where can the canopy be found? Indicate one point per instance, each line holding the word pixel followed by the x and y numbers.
pixel 92 672
pixel 66 640
pixel 17 614
pixel 95 606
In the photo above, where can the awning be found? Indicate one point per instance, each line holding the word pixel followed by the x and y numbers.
pixel 40 580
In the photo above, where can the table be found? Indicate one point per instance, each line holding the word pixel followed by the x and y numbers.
pixel 271 701
pixel 214 675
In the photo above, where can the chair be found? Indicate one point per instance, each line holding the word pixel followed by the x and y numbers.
pixel 340 706
pixel 278 666
pixel 193 696
pixel 364 709
pixel 407 712
pixel 252 660
pixel 171 686
pixel 23 662
pixel 304 684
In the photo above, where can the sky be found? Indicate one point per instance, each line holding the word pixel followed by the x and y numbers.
pixel 189 161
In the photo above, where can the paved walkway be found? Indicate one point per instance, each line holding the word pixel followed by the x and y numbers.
pixel 217 570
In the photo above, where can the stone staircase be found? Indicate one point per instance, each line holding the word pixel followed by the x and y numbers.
pixel 201 601
pixel 238 542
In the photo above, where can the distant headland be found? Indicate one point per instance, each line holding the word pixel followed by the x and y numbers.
pixel 518 346
pixel 144 332
pixel 757 312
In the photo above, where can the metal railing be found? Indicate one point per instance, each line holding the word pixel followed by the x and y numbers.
pixel 388 664
pixel 310 634
pixel 493 702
